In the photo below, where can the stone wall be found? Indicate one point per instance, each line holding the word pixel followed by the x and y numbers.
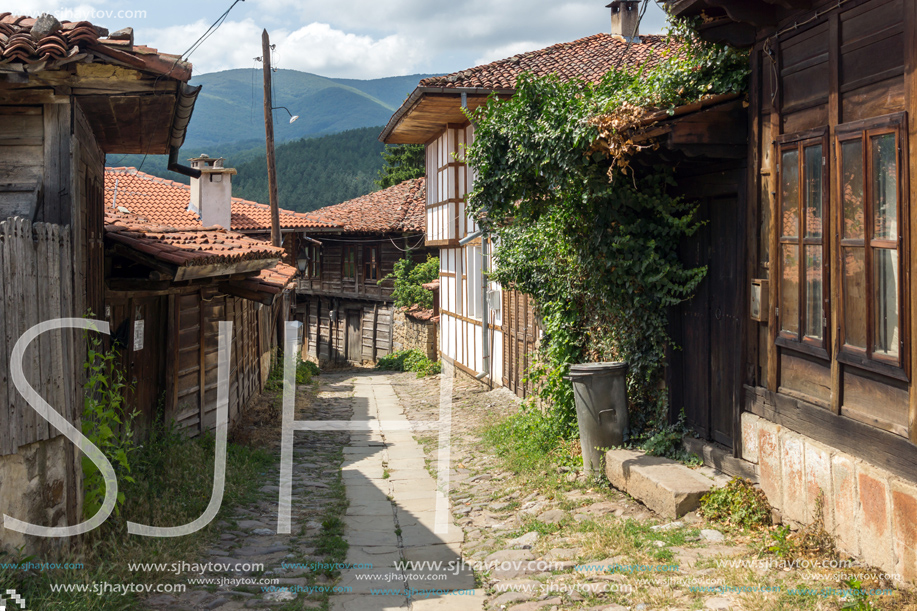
pixel 416 329
pixel 41 484
pixel 871 512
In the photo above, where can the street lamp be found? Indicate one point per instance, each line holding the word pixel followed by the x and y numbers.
pixel 292 116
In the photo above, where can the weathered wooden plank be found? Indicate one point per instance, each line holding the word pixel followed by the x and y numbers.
pixel 12 262
pixel 71 368
pixel 7 445
pixel 910 92
pixel 56 394
pixel 834 117
pixel 43 291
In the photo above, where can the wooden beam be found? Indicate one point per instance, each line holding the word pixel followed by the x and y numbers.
pixel 237 291
pixel 137 284
pixel 758 14
pixel 880 448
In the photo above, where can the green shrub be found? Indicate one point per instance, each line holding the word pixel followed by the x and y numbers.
pixel 409 360
pixel 311 367
pixel 737 503
pixel 106 422
pixel 409 278
pixel 304 372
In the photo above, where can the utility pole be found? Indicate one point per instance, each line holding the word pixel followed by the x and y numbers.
pixel 269 139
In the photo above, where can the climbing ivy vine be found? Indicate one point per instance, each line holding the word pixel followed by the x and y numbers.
pixel 591 238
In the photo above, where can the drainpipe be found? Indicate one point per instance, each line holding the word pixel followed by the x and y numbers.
pixel 174 166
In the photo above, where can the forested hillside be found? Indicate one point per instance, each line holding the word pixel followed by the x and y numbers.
pixel 315 172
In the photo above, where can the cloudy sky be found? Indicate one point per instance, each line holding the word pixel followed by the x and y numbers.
pixel 353 39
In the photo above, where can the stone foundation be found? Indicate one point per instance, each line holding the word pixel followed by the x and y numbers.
pixel 41 484
pixel 872 513
pixel 416 330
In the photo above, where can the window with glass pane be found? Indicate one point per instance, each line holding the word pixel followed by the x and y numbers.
pixel 371 263
pixel 870 237
pixel 885 242
pixel 350 262
pixel 802 263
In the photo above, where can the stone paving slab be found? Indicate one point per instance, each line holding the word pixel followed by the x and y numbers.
pixel 385 532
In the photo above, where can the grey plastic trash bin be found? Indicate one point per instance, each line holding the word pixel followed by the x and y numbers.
pixel 600 390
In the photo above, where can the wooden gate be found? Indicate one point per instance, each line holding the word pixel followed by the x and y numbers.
pixel 520 333
pixel 705 374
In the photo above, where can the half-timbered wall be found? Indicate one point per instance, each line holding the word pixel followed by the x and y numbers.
pixel 462 313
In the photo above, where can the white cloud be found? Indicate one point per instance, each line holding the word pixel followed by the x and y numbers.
pixel 316 47
pixel 505 51
pixel 371 39
pixel 320 48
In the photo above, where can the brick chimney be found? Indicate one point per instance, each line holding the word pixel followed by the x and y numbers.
pixel 211 194
pixel 625 20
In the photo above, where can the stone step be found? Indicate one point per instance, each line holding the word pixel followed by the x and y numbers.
pixel 667 487
pixel 718 458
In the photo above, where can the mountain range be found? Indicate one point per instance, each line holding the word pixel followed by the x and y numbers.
pixel 230 106
pixel 328 155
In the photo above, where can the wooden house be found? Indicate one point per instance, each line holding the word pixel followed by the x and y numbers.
pixel 70 93
pixel 173 272
pixel 824 401
pixel 487 332
pixel 344 303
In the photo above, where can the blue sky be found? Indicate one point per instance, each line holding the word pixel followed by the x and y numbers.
pixel 351 39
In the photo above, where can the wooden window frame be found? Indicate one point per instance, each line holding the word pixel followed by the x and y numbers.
pixel 317 262
pixel 370 263
pixel 346 252
pixel 314 259
pixel 800 341
pixel 850 355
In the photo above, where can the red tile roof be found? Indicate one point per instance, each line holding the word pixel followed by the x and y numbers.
pixel 164 201
pixel 274 279
pixel 187 246
pixel 61 42
pixel 399 208
pixel 588 58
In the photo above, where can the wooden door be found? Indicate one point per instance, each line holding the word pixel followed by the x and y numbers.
pixel 354 345
pixel 137 334
pixel 705 379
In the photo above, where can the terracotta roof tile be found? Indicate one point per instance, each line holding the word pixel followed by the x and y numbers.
pixel 273 279
pixel 399 208
pixel 588 58
pixel 61 42
pixel 164 201
pixel 186 246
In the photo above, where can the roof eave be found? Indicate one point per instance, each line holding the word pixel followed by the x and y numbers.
pixel 419 92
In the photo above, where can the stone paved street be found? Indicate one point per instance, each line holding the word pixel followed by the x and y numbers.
pixel 523 541
pixel 390 520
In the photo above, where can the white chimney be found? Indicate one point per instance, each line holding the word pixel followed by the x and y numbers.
pixel 211 194
pixel 625 20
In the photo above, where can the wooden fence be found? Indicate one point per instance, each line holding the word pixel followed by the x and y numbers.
pixel 520 337
pixel 37 279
